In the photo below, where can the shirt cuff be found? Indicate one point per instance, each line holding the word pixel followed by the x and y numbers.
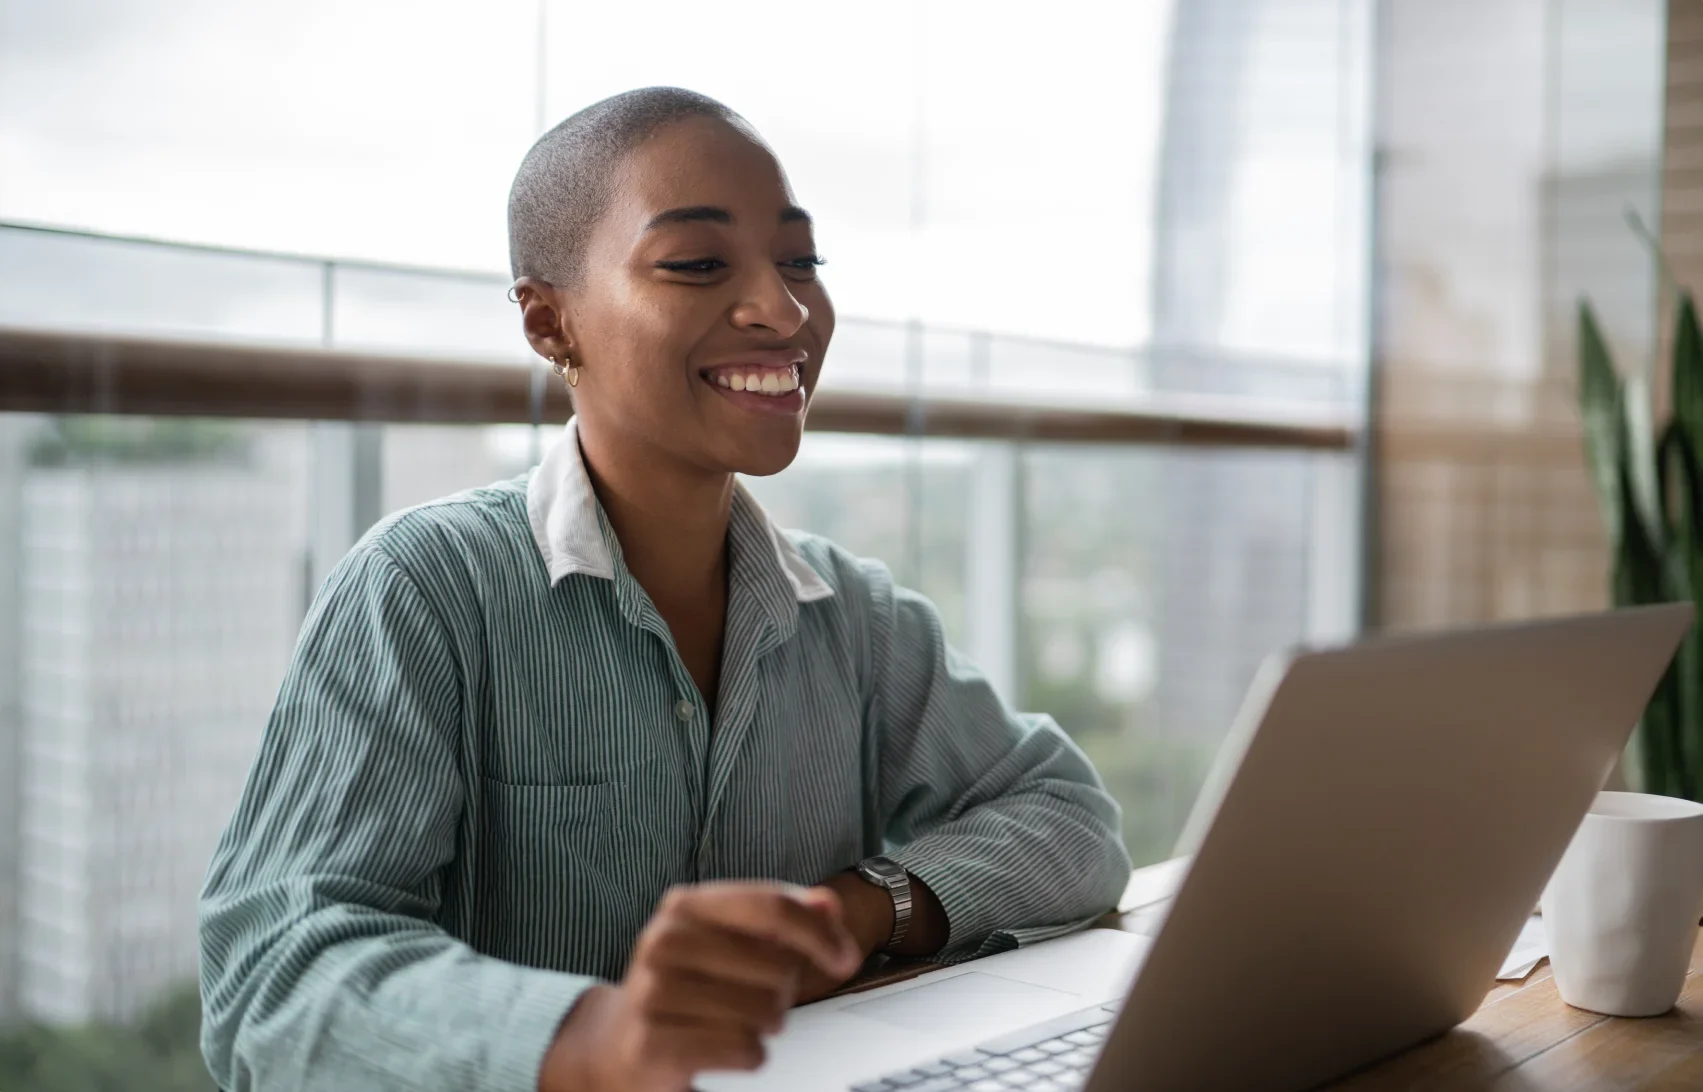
pixel 542 1000
pixel 972 893
pixel 1004 940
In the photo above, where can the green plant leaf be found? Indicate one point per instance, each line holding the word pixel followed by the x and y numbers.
pixel 1688 368
pixel 1681 481
pixel 1681 487
pixel 1648 502
pixel 1665 278
pixel 1640 569
pixel 1600 407
pixel 1656 764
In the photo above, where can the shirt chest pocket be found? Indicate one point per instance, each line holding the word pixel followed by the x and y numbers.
pixel 562 883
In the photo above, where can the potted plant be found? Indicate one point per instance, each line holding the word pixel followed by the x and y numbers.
pixel 1648 486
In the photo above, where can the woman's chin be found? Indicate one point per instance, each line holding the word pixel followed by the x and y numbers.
pixel 760 457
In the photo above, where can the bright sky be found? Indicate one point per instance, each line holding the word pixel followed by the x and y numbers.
pixel 981 164
pixel 390 131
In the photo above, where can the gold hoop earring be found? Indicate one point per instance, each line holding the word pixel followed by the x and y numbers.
pixel 567 368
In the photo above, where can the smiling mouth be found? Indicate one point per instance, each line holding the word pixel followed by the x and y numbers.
pixel 754 379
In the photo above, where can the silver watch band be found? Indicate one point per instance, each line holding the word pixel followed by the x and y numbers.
pixel 888 873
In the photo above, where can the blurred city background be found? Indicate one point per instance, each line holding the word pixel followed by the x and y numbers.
pixel 1293 281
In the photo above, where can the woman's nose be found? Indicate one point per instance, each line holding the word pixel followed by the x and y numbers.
pixel 766 301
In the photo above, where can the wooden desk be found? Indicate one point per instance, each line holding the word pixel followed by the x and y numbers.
pixel 1523 1039
pixel 1526 1039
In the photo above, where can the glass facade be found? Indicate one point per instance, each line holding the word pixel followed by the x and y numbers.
pixel 1523 144
pixel 1143 205
pixel 164 564
pixel 1100 174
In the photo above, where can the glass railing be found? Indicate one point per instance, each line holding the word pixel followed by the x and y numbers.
pixel 160 567
pixel 69 281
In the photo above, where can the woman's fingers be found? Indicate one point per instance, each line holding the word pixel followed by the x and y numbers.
pixel 684 946
pixel 771 912
pixel 713 972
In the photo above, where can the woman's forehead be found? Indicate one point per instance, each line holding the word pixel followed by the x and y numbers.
pixel 702 162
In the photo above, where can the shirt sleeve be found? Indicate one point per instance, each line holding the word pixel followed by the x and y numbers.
pixel 998 812
pixel 321 965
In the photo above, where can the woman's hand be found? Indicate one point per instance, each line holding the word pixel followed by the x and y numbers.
pixel 867 911
pixel 713 972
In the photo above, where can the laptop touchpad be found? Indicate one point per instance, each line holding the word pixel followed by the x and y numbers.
pixel 971 1003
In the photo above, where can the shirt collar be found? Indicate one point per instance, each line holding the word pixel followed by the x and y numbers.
pixel 570 535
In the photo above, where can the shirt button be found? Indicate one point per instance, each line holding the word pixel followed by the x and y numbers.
pixel 684 709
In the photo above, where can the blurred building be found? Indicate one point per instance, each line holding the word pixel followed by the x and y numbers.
pixel 1260 93
pixel 14 436
pixel 158 611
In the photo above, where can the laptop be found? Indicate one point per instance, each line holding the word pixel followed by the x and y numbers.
pixel 1380 824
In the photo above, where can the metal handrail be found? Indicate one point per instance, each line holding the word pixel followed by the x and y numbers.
pixel 314 375
pixel 54 371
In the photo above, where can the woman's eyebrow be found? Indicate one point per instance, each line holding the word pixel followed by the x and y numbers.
pixel 691 214
pixel 715 214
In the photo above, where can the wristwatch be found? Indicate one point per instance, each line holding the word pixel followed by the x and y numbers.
pixel 890 874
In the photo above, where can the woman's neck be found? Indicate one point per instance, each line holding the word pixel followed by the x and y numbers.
pixel 671 521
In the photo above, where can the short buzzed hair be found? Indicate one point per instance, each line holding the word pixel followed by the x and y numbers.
pixel 565 181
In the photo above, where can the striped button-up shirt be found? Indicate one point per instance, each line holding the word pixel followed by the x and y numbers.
pixel 487 763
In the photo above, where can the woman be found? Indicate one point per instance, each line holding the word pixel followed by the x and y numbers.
pixel 555 758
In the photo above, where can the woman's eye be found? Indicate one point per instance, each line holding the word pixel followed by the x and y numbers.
pixel 694 265
pixel 806 264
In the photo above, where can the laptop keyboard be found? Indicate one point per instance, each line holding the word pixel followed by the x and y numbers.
pixel 1052 1057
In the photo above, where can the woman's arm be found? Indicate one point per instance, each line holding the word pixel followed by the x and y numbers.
pixel 320 963
pixel 997 812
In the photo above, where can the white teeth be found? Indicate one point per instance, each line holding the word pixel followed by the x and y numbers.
pixel 766 382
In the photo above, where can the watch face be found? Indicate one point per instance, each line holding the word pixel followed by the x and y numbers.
pixel 882 870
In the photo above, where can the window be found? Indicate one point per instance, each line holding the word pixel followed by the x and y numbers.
pixel 1149 205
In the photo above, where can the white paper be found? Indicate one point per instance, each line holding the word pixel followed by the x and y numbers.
pixel 1528 951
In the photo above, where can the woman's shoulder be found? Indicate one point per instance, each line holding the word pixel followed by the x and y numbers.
pixel 865 591
pixel 849 575
pixel 445 539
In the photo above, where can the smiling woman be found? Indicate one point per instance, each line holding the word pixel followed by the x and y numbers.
pixel 704 332
pixel 579 781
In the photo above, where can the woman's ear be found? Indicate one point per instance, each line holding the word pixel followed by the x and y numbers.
pixel 541 317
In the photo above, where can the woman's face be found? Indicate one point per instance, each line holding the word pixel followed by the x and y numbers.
pixel 700 325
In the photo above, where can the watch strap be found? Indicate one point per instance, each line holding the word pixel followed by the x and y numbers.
pixel 888 873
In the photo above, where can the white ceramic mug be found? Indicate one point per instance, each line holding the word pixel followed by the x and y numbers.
pixel 1622 908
